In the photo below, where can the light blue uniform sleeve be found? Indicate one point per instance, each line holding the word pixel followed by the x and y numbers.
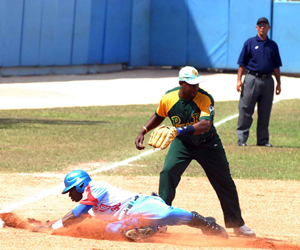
pixel 81 209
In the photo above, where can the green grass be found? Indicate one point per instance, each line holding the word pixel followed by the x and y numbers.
pixel 63 138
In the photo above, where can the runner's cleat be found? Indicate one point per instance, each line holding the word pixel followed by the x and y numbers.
pixel 137 234
pixel 215 230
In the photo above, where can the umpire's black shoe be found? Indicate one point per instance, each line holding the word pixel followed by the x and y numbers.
pixel 242 144
pixel 265 145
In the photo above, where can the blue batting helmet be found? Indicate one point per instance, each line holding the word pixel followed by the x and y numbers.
pixel 77 178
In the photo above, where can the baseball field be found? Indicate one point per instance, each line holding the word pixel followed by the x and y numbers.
pixel 54 124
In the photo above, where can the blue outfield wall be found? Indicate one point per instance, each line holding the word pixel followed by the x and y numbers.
pixel 286 26
pixel 31 33
pixel 168 32
pixel 202 33
pixel 140 33
pixel 207 36
pixel 181 33
pixel 243 16
pixel 55 44
pixel 63 33
pixel 96 35
pixel 11 22
pixel 117 32
pixel 81 26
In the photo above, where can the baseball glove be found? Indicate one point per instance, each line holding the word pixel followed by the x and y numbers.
pixel 162 137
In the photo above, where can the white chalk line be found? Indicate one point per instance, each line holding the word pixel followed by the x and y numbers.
pixel 60 187
pixel 114 165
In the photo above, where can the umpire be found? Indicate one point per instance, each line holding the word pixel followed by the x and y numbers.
pixel 259 59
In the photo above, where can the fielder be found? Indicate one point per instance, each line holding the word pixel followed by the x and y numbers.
pixel 193 137
pixel 136 216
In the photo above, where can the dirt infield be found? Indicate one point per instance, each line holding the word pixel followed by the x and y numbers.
pixel 270 208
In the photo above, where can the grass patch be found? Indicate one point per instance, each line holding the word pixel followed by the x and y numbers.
pixel 56 139
pixel 51 139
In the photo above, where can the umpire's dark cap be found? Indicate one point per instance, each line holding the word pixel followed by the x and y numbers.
pixel 262 20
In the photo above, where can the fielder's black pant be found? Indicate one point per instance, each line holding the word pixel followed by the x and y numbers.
pixel 255 90
pixel 211 156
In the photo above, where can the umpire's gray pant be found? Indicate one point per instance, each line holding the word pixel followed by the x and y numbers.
pixel 255 90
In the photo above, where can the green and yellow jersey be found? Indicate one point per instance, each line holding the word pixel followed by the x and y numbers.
pixel 187 112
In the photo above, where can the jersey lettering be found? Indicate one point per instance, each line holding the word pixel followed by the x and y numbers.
pixel 176 121
pixel 102 207
pixel 195 117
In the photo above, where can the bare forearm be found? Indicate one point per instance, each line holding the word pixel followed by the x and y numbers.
pixel 241 71
pixel 277 75
pixel 202 126
pixel 153 122
pixel 239 84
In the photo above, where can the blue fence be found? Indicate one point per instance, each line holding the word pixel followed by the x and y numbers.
pixel 202 33
pixel 286 32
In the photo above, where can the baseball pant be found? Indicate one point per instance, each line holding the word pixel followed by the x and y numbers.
pixel 152 211
pixel 255 90
pixel 211 156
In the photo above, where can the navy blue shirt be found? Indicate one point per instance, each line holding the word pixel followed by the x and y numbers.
pixel 260 56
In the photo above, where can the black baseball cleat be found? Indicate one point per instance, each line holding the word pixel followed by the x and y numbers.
pixel 215 230
pixel 207 225
pixel 242 144
pixel 137 234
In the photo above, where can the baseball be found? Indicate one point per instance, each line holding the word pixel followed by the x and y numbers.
pixel 2 224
